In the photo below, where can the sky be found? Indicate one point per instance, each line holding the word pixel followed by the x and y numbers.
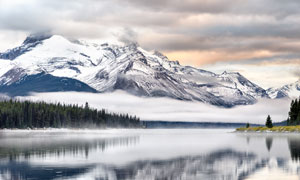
pixel 259 38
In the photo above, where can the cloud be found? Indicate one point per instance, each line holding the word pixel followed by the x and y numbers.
pixel 191 31
pixel 171 110
pixel 11 38
pixel 190 6
pixel 4 97
pixel 192 25
pixel 127 35
pixel 276 8
pixel 265 73
pixel 297 73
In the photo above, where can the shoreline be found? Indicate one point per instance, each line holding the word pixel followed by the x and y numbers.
pixel 275 129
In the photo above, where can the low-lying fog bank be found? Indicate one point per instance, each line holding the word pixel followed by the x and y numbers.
pixel 165 109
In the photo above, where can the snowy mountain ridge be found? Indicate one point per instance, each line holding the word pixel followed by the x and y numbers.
pixel 290 90
pixel 107 67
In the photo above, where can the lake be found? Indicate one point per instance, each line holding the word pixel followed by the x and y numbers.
pixel 148 154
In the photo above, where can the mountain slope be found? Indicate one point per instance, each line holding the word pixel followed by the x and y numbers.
pixel 44 83
pixel 290 90
pixel 105 68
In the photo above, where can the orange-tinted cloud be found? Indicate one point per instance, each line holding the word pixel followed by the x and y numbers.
pixel 207 57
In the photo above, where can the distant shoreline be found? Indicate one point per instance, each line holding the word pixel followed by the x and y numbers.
pixel 190 125
pixel 180 124
pixel 160 125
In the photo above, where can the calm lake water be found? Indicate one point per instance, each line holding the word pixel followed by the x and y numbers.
pixel 148 154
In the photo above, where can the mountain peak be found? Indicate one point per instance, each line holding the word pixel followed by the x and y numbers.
pixel 291 90
pixel 231 73
pixel 132 44
pixel 159 54
pixel 225 72
pixel 29 43
pixel 125 67
pixel 32 38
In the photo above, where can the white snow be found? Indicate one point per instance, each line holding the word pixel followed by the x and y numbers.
pixel 291 90
pixel 101 66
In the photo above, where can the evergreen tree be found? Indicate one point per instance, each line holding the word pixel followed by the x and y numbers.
pixel 297 122
pixel 247 125
pixel 26 114
pixel 294 118
pixel 288 121
pixel 269 123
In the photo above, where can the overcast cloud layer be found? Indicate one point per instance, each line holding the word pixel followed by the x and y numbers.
pixel 195 32
pixel 169 109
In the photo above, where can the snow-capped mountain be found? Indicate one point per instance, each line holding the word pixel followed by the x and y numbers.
pixel 290 90
pixel 53 63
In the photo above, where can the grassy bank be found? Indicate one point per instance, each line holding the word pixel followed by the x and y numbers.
pixel 273 129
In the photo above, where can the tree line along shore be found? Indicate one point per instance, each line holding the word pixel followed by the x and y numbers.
pixel 15 114
pixel 292 122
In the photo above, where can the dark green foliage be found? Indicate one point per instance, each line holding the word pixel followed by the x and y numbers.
pixel 26 114
pixel 269 123
pixel 247 125
pixel 294 114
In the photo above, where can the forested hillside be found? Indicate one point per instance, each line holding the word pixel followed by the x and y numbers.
pixel 26 114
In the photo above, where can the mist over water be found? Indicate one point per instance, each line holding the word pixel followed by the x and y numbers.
pixel 166 109
pixel 135 154
pixel 147 154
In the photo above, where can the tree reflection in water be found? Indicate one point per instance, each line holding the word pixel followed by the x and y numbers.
pixel 294 145
pixel 72 146
pixel 235 162
pixel 12 168
pixel 269 141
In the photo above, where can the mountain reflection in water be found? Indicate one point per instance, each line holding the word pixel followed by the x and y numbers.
pixel 145 154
